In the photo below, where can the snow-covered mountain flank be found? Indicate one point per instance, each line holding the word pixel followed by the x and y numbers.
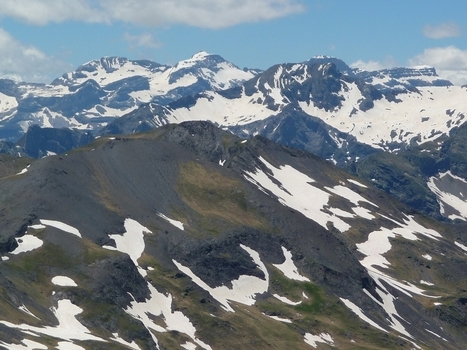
pixel 385 110
pixel 102 90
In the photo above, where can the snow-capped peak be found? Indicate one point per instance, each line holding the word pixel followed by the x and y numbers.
pixel 422 67
pixel 200 56
pixel 322 57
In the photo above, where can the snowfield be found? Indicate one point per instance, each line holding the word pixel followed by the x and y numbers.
pixel 449 190
pixel 295 190
pixel 397 121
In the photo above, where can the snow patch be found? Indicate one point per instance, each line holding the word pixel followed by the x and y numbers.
pixel 295 190
pixel 427 283
pixel 25 170
pixel 26 344
pixel 65 345
pixel 189 346
pixel 374 248
pixel 131 345
pixel 285 320
pixel 68 328
pixel 286 300
pixel 378 243
pixel 350 195
pixel 37 227
pixel 321 338
pixel 448 190
pixel 288 267
pixel 159 304
pixel 131 242
pixel 244 289
pixel 359 312
pixel 27 243
pixel 177 224
pixel 26 310
pixel 356 183
pixel 460 245
pixel 363 213
pixel 403 119
pixel 61 226
pixel 436 335
pixel 64 281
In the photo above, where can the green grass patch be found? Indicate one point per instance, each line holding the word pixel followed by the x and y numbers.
pixel 94 252
pixel 218 199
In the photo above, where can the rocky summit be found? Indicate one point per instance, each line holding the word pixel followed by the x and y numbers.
pixel 190 237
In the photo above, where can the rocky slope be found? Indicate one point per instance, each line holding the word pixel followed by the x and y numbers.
pixel 188 237
pixel 429 178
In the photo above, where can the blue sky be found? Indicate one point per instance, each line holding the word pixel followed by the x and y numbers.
pixel 42 39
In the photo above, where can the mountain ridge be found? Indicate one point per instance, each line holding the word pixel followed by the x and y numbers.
pixel 204 209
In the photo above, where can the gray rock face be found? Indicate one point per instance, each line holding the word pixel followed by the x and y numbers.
pixel 38 142
pixel 405 175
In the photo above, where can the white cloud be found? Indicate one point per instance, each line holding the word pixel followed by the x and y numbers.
pixel 450 62
pixel 441 31
pixel 199 13
pixel 40 12
pixel 144 40
pixel 368 65
pixel 389 62
pixel 26 63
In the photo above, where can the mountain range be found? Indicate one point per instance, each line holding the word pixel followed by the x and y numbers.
pixel 200 205
pixel 321 105
pixel 101 90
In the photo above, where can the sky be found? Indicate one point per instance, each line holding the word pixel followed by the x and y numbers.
pixel 42 39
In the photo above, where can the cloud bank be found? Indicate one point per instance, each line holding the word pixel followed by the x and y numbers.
pixel 442 31
pixel 20 61
pixel 23 62
pixel 146 40
pixel 211 14
pixel 450 62
pixel 374 65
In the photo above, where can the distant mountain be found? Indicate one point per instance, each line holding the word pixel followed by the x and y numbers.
pixel 431 178
pixel 102 90
pixel 190 237
pixel 359 112
pixel 40 142
pixel 322 105
pixel 402 78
